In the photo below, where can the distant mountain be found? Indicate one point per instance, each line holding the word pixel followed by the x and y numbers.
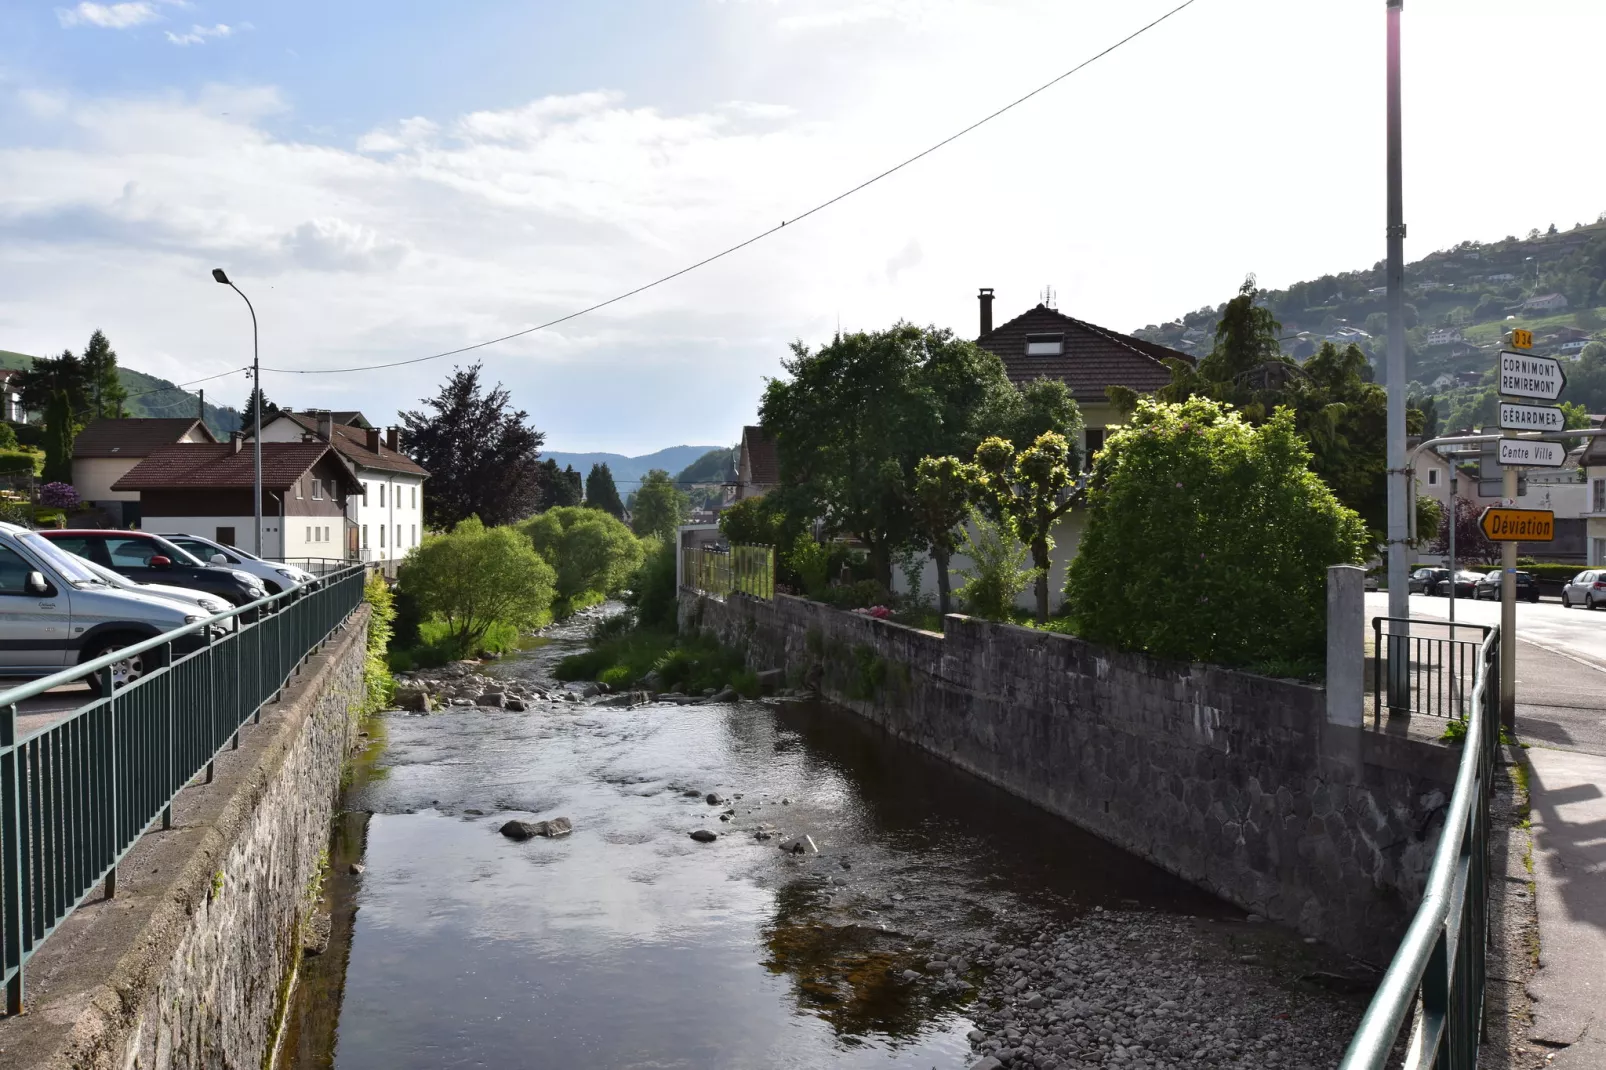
pixel 150 396
pixel 627 471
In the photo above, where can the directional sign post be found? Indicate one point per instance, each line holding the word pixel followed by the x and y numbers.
pixel 1522 451
pixel 1516 416
pixel 1526 376
pixel 1518 525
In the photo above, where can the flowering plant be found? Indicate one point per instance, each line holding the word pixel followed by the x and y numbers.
pixel 59 496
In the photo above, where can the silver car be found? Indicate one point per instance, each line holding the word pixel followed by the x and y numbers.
pixel 1587 589
pixel 276 576
pixel 55 613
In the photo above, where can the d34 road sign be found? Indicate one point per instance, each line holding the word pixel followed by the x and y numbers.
pixel 1515 416
pixel 1518 525
pixel 1526 376
pixel 1520 451
pixel 1521 339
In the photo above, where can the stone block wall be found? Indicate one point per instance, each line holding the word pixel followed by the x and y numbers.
pixel 1233 781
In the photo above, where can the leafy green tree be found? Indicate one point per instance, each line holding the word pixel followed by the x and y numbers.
pixel 1031 489
pixel 8 437
pixel 100 369
pixel 269 409
pixel 601 492
pixel 852 419
pixel 60 430
pixel 943 486
pixel 660 507
pixel 474 577
pixel 997 572
pixel 1586 383
pixel 39 384
pixel 1241 531
pixel 482 456
pixel 592 553
pixel 558 488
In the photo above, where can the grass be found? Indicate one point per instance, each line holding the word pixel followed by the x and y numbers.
pixel 436 646
pixel 690 665
pixel 1491 331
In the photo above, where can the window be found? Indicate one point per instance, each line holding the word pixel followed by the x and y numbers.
pixel 415 495
pixel 365 494
pixel 398 537
pixel 1045 345
pixel 1599 502
pixel 130 553
pixel 326 534
pixel 225 536
pixel 1600 551
pixel 1095 442
pixel 381 535
pixel 309 534
pixel 365 536
pixel 13 572
pixel 381 495
pixel 298 488
pixel 414 533
pixel 1433 477
pixel 317 489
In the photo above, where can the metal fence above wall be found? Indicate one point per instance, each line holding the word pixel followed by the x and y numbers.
pixel 748 570
pixel 77 794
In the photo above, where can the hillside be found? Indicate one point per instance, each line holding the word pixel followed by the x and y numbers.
pixel 1459 303
pixel 150 396
pixel 627 471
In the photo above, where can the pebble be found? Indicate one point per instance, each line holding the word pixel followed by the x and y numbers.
pixel 704 836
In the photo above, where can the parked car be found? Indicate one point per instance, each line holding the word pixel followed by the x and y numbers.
pixel 275 576
pixel 211 605
pixel 55 612
pixel 1466 583
pixel 1489 587
pixel 147 558
pixel 1587 589
pixel 1422 579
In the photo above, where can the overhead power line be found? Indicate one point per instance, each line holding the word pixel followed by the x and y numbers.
pixel 762 234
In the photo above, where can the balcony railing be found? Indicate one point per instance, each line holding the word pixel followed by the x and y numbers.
pixel 77 794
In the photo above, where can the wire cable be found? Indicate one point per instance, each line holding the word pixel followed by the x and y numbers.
pixel 761 235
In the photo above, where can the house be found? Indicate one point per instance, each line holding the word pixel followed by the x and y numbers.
pixel 758 468
pixel 309 495
pixel 1442 336
pixel 11 409
pixel 1594 513
pixel 1569 334
pixel 1545 303
pixel 108 449
pixel 1572 349
pixel 389 511
pixel 1504 276
pixel 1348 336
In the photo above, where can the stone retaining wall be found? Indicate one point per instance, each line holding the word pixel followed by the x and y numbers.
pixel 1233 781
pixel 189 965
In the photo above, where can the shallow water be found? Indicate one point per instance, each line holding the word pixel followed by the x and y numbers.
pixel 627 944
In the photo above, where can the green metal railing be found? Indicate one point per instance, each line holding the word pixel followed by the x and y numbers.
pixel 77 794
pixel 1437 975
pixel 748 570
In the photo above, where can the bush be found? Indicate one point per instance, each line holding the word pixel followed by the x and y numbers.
pixel 8 437
pixel 811 563
pixel 855 595
pixel 592 553
pixel 1209 539
pixel 59 496
pixel 997 573
pixel 476 577
pixel 377 683
pixel 653 597
pixel 14 461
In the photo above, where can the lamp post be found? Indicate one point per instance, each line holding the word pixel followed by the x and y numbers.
pixel 1400 475
pixel 256 417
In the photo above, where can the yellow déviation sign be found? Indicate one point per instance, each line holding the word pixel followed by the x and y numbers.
pixel 1518 525
pixel 1521 339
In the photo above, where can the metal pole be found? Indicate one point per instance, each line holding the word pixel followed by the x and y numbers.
pixel 1399 472
pixel 1454 515
pixel 1508 613
pixel 256 431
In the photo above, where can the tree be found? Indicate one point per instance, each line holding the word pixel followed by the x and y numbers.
pixel 269 409
pixel 483 459
pixel 997 571
pixel 853 418
pixel 1209 538
pixel 475 577
pixel 591 552
pixel 1471 544
pixel 660 507
pixel 60 430
pixel 39 384
pixel 558 488
pixel 1030 489
pixel 100 371
pixel 601 492
pixel 941 503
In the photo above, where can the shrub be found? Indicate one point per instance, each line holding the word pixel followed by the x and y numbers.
pixel 811 562
pixel 59 496
pixel 476 577
pixel 16 461
pixel 653 596
pixel 592 553
pixel 377 683
pixel 616 676
pixel 997 572
pixel 8 437
pixel 1209 539
pixel 855 595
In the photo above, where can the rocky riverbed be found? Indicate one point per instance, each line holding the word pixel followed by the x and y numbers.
pixel 770 883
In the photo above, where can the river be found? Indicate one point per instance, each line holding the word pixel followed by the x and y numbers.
pixel 629 944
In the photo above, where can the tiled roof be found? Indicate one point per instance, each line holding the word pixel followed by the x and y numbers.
pixel 132 437
pixel 352 443
pixel 763 467
pixel 208 464
pixel 1093 357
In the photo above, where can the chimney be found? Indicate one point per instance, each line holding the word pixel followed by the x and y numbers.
pixel 326 425
pixel 986 299
pixel 391 434
pixel 373 440
pixel 200 407
pixel 235 438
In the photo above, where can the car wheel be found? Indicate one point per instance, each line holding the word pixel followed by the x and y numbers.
pixel 123 672
pixel 1565 604
pixel 1589 601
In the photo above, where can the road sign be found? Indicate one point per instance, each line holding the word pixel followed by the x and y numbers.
pixel 1520 451
pixel 1515 416
pixel 1526 376
pixel 1518 525
pixel 1521 339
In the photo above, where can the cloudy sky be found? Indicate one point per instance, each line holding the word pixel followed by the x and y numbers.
pixel 388 181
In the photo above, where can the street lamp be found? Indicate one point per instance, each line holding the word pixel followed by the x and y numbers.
pixel 256 411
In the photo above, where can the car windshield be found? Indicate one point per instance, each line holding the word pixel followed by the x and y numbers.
pixel 177 554
pixel 72 567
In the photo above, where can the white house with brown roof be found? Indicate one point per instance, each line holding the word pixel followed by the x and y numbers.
pixel 108 449
pixel 389 512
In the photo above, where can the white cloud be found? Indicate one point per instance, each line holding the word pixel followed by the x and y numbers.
pixel 108 16
pixel 198 35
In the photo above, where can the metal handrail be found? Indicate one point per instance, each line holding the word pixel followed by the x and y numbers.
pixel 1438 969
pixel 79 792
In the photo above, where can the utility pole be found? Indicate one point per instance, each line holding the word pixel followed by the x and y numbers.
pixel 1399 473
pixel 256 411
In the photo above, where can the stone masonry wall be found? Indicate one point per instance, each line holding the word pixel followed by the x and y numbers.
pixel 1233 781
pixel 207 921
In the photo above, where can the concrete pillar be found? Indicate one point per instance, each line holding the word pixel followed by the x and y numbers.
pixel 1346 645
